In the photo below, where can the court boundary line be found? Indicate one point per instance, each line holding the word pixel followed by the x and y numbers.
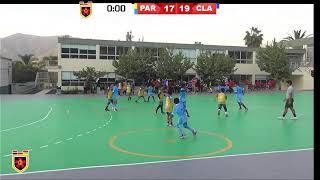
pixel 42 119
pixel 157 162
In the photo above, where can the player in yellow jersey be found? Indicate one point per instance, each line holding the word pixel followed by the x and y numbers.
pixel 109 95
pixel 129 91
pixel 169 108
pixel 141 94
pixel 222 99
pixel 160 106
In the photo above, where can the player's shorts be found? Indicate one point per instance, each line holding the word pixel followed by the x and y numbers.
pixel 239 99
pixel 160 103
pixel 184 104
pixel 169 113
pixel 110 101
pixel 114 98
pixel 222 105
pixel 289 105
pixel 150 94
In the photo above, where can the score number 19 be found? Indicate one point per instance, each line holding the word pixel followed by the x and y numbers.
pixel 184 8
pixel 171 8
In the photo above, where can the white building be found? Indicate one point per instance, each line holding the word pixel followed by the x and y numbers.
pixel 75 54
pixel 6 75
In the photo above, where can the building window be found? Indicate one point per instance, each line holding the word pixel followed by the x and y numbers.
pixel 103 50
pixel 91 51
pixel 103 57
pixel 91 56
pixel 111 50
pixel 154 52
pixel 241 57
pixel 74 56
pixel 83 56
pixel 64 55
pixel 76 51
pixel 83 51
pixel 111 57
pixel 65 50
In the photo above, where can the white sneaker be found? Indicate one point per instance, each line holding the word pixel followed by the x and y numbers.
pixel 294 118
pixel 281 117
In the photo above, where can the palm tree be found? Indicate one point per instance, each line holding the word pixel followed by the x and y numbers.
pixel 297 35
pixel 253 38
pixel 26 58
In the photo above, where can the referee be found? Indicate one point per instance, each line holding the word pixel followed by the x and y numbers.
pixel 289 102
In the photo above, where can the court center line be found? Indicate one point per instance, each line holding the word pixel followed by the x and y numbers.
pixel 79 135
pixel 167 161
pixel 5 130
pixel 44 146
pixel 69 139
pixel 58 142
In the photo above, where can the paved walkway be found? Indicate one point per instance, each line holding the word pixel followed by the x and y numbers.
pixel 43 92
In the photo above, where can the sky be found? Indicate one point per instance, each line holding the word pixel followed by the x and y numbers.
pixel 227 27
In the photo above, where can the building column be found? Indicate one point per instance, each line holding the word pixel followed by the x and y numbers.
pixel 59 83
pixel 97 51
pixel 254 57
pixel 253 78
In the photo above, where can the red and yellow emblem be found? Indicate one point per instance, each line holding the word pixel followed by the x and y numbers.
pixel 85 9
pixel 20 160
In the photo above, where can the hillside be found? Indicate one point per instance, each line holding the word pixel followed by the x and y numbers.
pixel 12 46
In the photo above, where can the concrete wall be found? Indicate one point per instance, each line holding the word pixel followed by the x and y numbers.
pixel 69 88
pixel 5 76
pixel 303 81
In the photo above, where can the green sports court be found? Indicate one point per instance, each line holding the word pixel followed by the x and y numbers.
pixel 74 131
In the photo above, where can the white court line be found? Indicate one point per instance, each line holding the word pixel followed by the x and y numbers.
pixel 79 135
pixel 69 139
pixel 7 155
pixel 44 146
pixel 58 142
pixel 94 129
pixel 156 162
pixel 28 124
pixel 99 127
pixel 88 132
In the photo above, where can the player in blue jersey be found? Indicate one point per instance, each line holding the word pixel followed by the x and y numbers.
pixel 182 99
pixel 182 123
pixel 240 94
pixel 150 92
pixel 115 94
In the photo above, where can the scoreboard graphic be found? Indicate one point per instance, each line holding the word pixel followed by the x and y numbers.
pixel 176 8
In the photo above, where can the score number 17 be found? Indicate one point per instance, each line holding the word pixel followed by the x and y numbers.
pixel 169 8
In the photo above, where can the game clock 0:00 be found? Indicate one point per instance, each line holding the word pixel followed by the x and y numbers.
pixel 116 8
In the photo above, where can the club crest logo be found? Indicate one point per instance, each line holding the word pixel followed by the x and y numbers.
pixel 85 9
pixel 20 160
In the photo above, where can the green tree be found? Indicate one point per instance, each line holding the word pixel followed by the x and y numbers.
pixel 26 59
pixel 136 64
pixel 89 74
pixel 22 73
pixel 253 38
pixel 296 35
pixel 214 67
pixel 273 59
pixel 171 66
